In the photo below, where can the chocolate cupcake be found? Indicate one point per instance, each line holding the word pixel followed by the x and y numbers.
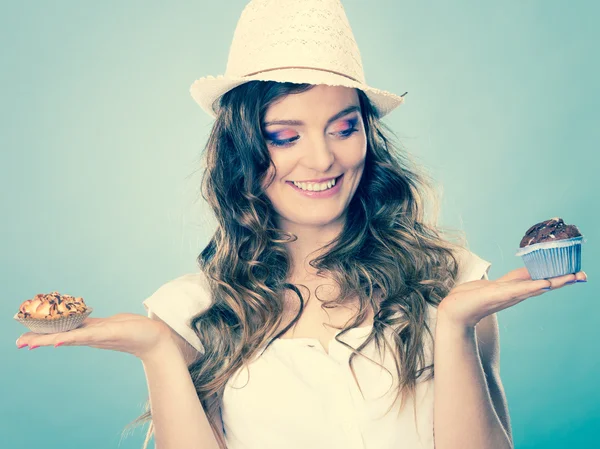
pixel 551 248
pixel 51 313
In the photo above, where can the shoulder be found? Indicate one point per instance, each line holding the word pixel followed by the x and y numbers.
pixel 471 267
pixel 191 284
pixel 474 268
pixel 188 293
pixel 177 301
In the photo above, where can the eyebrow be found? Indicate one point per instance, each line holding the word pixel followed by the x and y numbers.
pixel 346 111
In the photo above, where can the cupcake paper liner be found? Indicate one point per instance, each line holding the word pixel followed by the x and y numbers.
pixel 41 326
pixel 551 259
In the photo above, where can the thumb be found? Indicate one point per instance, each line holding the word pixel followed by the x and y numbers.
pixel 520 274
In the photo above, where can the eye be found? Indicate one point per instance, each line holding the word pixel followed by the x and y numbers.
pixel 282 142
pixel 281 138
pixel 350 129
pixel 347 132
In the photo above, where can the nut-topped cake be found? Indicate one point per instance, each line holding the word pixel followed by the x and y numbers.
pixel 51 306
pixel 48 313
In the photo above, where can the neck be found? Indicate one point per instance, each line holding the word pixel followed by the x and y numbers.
pixel 308 246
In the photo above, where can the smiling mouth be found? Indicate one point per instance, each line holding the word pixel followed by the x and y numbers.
pixel 316 186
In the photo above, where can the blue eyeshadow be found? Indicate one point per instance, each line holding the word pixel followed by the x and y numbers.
pixel 352 122
pixel 273 136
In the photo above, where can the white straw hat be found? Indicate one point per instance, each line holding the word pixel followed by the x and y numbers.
pixel 298 41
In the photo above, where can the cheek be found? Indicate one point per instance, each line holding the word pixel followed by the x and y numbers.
pixel 349 154
pixel 352 153
pixel 363 144
pixel 278 170
pixel 284 162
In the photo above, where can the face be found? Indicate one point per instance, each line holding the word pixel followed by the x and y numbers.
pixel 318 145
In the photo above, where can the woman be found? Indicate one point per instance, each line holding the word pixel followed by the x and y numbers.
pixel 323 301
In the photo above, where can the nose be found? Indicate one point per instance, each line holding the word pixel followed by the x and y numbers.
pixel 319 156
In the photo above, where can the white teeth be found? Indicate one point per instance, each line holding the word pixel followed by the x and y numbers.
pixel 315 187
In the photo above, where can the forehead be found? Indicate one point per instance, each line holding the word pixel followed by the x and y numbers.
pixel 318 103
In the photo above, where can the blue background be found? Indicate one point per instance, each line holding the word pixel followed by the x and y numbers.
pixel 99 156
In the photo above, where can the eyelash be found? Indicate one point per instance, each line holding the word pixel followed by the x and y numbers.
pixel 287 142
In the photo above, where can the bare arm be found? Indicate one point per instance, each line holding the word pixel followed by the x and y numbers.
pixel 488 342
pixel 470 408
pixel 178 417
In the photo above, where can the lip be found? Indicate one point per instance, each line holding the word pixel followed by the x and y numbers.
pixel 322 194
pixel 317 180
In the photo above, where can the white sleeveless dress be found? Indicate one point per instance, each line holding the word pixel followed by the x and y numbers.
pixel 296 396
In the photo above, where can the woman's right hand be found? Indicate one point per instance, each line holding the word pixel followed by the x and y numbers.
pixel 124 332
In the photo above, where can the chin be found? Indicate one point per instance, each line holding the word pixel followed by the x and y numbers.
pixel 317 219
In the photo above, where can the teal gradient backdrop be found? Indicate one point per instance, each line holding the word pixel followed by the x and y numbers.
pixel 99 155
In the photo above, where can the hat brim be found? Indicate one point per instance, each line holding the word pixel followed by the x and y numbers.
pixel 208 90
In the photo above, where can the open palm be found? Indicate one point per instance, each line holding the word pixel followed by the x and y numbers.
pixel 124 332
pixel 470 302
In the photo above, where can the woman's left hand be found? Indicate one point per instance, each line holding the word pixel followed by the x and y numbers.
pixel 470 302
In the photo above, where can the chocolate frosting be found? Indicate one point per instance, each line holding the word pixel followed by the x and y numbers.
pixel 549 231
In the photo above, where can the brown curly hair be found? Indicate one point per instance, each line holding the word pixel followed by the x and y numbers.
pixel 385 246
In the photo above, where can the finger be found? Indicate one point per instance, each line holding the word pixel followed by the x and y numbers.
pixel 88 322
pixel 560 281
pixel 520 274
pixel 35 340
pixel 507 294
pixel 496 296
pixel 80 336
pixel 568 279
pixel 555 286
pixel 22 340
pixel 523 275
pixel 553 283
